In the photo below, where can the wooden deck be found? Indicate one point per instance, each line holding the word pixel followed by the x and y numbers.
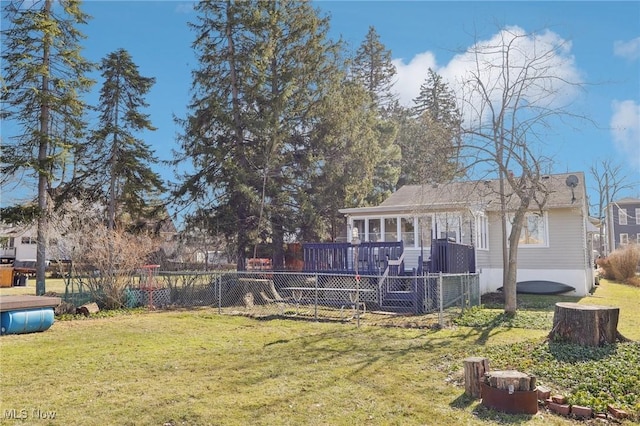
pixel 14 303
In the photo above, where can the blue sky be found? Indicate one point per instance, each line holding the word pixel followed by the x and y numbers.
pixel 604 52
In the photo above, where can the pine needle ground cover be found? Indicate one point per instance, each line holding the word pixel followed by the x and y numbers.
pixel 197 368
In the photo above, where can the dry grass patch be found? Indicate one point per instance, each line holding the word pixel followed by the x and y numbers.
pixel 198 368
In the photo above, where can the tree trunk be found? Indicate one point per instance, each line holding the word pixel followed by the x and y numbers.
pixel 43 176
pixel 474 371
pixel 585 325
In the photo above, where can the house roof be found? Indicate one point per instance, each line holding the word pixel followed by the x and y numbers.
pixel 628 200
pixel 477 195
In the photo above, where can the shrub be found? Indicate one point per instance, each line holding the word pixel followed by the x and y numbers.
pixel 622 264
pixel 103 261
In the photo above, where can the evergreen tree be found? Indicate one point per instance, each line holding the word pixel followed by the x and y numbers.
pixel 302 63
pixel 428 156
pixel 263 69
pixel 44 76
pixel 118 163
pixel 346 156
pixel 373 69
pixel 223 178
pixel 429 134
pixel 439 101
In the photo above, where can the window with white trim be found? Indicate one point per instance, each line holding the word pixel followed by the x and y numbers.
pixel 375 232
pixel 425 223
pixel 637 216
pixel 448 226
pixel 29 240
pixel 624 238
pixel 622 216
pixel 482 232
pixel 534 230
pixel 407 231
pixel 391 229
pixel 359 225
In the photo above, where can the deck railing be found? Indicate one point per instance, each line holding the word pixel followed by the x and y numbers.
pixel 451 258
pixel 372 257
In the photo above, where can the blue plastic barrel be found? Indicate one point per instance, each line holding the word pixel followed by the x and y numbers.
pixel 26 321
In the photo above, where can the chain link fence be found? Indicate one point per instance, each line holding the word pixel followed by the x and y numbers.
pixel 328 297
pixel 315 296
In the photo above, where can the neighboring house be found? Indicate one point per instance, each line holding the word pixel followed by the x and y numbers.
pixel 554 244
pixel 623 222
pixel 17 243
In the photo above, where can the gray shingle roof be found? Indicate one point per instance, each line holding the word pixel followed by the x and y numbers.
pixel 484 194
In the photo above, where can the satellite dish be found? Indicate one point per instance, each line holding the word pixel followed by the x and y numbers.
pixel 572 181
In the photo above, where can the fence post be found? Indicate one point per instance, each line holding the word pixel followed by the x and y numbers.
pixel 219 286
pixel 315 302
pixel 465 291
pixel 441 303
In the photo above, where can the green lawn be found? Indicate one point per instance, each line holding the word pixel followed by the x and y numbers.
pixel 56 285
pixel 196 368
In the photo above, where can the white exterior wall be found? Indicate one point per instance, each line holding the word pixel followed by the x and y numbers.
pixel 491 279
pixel 25 251
pixel 564 259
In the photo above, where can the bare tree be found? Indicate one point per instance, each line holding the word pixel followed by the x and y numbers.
pixel 108 260
pixel 610 180
pixel 517 86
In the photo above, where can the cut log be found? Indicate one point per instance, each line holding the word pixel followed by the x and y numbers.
pixel 585 325
pixel 88 309
pixel 511 380
pixel 474 372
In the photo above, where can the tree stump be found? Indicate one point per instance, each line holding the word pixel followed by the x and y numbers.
pixel 511 380
pixel 585 325
pixel 256 291
pixel 474 371
pixel 510 391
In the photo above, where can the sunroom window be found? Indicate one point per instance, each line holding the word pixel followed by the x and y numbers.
pixel 391 229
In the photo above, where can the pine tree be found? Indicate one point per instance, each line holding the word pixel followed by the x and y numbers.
pixel 263 69
pixel 44 76
pixel 438 100
pixel 215 138
pixel 429 134
pixel 428 155
pixel 372 67
pixel 347 151
pixel 118 163
pixel 301 65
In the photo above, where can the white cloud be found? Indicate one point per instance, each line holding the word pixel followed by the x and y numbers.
pixel 625 129
pixel 410 76
pixel 543 55
pixel 627 49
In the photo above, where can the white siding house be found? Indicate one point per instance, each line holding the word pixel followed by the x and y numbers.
pixel 553 245
pixel 17 243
